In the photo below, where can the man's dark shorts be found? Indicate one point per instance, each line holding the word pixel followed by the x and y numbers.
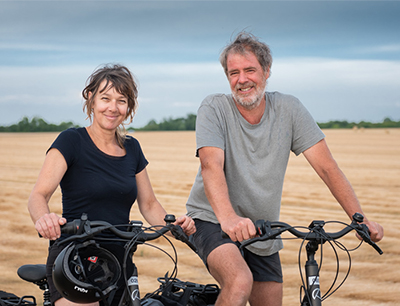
pixel 208 237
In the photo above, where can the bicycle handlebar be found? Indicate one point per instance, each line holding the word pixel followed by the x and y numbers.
pixel 267 230
pixel 84 229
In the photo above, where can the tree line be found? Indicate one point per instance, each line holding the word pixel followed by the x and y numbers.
pixel 386 123
pixel 187 123
pixel 171 124
pixel 36 124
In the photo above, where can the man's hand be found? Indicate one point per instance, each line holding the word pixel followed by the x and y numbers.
pixel 375 231
pixel 238 228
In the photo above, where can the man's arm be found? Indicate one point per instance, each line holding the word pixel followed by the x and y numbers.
pixel 216 189
pixel 321 159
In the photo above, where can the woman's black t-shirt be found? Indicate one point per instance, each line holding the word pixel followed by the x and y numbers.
pixel 100 185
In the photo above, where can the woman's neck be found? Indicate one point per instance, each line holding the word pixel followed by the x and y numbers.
pixel 106 141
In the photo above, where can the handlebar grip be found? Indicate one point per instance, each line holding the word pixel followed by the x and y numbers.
pixel 376 247
pixel 70 227
pixel 180 235
pixel 364 233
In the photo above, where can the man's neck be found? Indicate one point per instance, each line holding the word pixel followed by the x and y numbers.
pixel 252 115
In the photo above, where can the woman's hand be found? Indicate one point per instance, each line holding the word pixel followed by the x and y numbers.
pixel 187 224
pixel 48 226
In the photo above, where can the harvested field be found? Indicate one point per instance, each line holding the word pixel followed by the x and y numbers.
pixel 369 158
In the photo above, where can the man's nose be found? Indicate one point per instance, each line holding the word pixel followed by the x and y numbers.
pixel 242 78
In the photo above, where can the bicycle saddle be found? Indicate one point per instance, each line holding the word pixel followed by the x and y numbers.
pixel 32 273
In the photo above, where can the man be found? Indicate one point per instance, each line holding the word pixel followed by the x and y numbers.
pixel 244 142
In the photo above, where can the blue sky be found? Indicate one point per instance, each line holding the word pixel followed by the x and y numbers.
pixel 340 58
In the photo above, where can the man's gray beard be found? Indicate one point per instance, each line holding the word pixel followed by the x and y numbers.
pixel 253 103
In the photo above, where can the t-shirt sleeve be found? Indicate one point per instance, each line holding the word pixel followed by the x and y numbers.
pixel 67 142
pixel 306 132
pixel 209 128
pixel 138 153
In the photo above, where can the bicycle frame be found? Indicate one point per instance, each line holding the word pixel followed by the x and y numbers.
pixel 312 296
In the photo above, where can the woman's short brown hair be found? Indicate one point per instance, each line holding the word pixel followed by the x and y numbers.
pixel 122 80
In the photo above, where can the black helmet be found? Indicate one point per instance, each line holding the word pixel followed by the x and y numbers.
pixel 85 272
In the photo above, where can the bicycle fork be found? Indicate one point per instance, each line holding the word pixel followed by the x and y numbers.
pixel 312 296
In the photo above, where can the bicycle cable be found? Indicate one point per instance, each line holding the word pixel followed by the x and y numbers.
pixel 173 258
pixel 332 242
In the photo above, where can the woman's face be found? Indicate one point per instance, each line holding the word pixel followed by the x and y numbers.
pixel 109 107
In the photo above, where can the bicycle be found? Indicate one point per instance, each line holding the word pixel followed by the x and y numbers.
pixel 84 235
pixel 174 291
pixel 310 293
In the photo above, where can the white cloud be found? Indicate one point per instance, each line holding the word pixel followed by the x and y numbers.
pixel 341 89
pixel 388 48
pixel 331 89
pixel 31 47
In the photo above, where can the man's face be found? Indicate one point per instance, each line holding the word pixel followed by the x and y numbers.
pixel 247 79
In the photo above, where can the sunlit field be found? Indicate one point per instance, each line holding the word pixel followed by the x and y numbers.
pixel 369 158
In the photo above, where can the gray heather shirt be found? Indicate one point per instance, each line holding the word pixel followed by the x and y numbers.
pixel 256 156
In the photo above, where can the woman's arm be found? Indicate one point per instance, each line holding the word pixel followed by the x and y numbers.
pixel 151 208
pixel 53 169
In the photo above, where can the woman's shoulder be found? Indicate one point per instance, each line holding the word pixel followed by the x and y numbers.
pixel 131 142
pixel 71 136
pixel 74 132
pixel 131 139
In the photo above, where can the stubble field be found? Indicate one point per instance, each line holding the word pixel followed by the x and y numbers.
pixel 369 158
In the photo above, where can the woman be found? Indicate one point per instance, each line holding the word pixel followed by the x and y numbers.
pixel 101 170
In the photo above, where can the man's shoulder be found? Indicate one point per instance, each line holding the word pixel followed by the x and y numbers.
pixel 215 98
pixel 283 102
pixel 276 96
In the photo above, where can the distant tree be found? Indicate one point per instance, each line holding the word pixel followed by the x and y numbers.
pixel 387 123
pixel 171 124
pixel 36 124
pixel 190 123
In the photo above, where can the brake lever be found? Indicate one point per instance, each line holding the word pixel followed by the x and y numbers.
pixel 364 234
pixel 180 235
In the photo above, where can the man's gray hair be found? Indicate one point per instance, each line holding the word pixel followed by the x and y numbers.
pixel 246 42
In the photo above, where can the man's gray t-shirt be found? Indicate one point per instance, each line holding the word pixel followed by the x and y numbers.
pixel 256 156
